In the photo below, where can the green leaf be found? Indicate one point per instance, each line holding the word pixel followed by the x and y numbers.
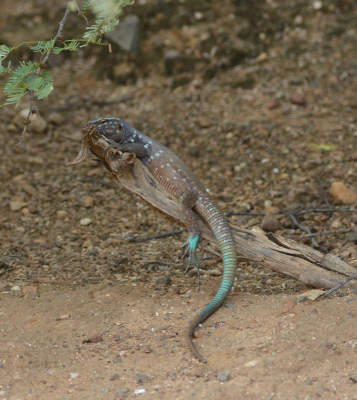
pixel 43 46
pixel 324 146
pixel 23 79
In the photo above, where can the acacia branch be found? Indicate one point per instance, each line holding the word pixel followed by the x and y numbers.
pixel 42 66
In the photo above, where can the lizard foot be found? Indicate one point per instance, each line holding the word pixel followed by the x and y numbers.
pixel 112 145
pixel 191 247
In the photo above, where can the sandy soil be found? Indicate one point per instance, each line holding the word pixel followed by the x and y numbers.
pixel 260 103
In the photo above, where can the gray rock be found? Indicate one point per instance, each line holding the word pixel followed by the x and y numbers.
pixel 224 376
pixel 114 377
pixel 93 252
pixel 164 280
pixel 117 360
pixel 126 33
pixel 122 391
pixel 104 390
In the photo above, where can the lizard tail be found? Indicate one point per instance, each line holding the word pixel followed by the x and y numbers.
pixel 214 217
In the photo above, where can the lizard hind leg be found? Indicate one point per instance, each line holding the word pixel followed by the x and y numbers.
pixel 188 201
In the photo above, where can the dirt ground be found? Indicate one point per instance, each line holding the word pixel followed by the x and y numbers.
pixel 259 99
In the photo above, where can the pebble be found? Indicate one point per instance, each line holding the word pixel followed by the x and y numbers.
pixel 224 376
pixel 214 272
pixel 73 375
pixel 140 391
pixel 352 237
pixel 340 193
pixel 15 288
pixel 114 377
pixel 1 365
pixel 88 201
pixel 230 305
pixel 251 363
pixel 141 377
pixel 93 252
pixel 147 349
pixel 122 391
pixel 61 214
pixel 104 390
pixel 17 205
pixel 272 104
pixel 164 280
pixel 204 122
pixel 38 123
pixel 85 221
pixel 301 299
pixel 117 360
pixel 298 99
pixel 270 223
pixel 353 378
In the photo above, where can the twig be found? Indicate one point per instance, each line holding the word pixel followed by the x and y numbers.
pixel 163 235
pixel 303 228
pixel 6 270
pixel 160 262
pixel 323 233
pixel 326 294
pixel 33 110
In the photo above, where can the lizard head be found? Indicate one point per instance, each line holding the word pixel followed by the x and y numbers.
pixel 110 127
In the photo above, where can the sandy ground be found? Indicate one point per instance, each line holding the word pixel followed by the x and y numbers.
pixel 261 105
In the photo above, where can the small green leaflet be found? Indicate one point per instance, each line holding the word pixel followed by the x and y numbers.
pixel 24 79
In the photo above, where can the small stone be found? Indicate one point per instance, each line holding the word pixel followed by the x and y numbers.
pixel 114 377
pixel 270 223
pixel 340 193
pixel 87 243
pixel 301 357
pixel 62 214
pixel 298 99
pixel 353 378
pixel 142 377
pixel 269 362
pixel 88 201
pixel 122 391
pixel 164 280
pixel 26 211
pixel 352 237
pixel 214 272
pixel 15 288
pixel 301 299
pixel 73 375
pixel 139 391
pixel 17 205
pixel 93 252
pixel 313 294
pixel 85 221
pixel 117 360
pixel 251 363
pixel 262 57
pixel 104 390
pixel 198 333
pixel 30 289
pixel 38 123
pixel 224 376
pixel 272 104
pixel 147 349
pixel 204 122
pixel 230 305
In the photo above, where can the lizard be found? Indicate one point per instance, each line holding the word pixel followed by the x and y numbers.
pixel 178 180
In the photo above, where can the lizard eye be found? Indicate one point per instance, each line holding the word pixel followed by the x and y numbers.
pixel 120 127
pixel 103 121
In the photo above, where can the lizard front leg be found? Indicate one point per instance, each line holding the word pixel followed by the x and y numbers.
pixel 137 148
pixel 187 202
